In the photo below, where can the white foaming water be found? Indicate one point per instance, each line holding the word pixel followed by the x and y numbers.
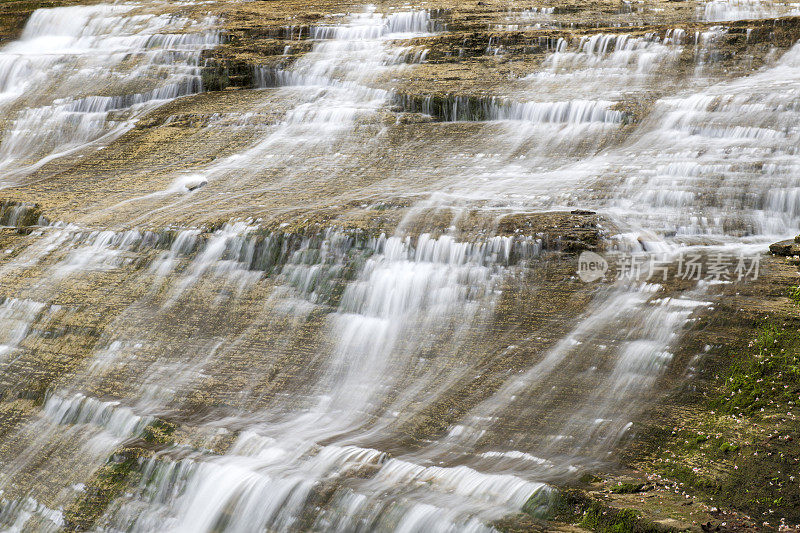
pixel 569 112
pixel 349 55
pixel 494 488
pixel 436 285
pixel 731 10
pixel 393 338
pixel 185 242
pixel 90 429
pixel 120 422
pixel 688 171
pixel 624 54
pixel 644 355
pixel 527 19
pixel 607 68
pixel 332 82
pixel 722 162
pixel 16 317
pixel 219 257
pixel 431 499
pixel 374 372
pixel 644 328
pixel 262 482
pixel 67 61
pixel 717 164
pixel 373 26
pixel 269 475
pixel 100 250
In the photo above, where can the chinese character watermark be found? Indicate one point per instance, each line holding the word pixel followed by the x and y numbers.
pixel 719 267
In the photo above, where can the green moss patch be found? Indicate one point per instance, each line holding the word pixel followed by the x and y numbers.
pixel 107 483
pixel 736 444
pixel 765 379
pixel 575 507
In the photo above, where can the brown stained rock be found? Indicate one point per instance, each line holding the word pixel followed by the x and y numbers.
pixel 374 193
pixel 787 248
pixel 192 133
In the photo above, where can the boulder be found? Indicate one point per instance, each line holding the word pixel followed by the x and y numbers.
pixel 194 185
pixel 786 248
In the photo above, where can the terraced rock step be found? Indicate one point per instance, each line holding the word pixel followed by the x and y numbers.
pixel 297 265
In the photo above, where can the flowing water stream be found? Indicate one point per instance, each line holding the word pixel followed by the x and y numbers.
pixel 344 380
pixel 80 75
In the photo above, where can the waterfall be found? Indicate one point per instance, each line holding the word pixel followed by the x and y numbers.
pixel 66 56
pixel 727 10
pixel 357 308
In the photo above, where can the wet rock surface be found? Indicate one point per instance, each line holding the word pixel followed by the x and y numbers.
pixel 331 282
pixel 787 248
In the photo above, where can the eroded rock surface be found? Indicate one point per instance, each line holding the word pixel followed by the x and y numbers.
pixel 308 266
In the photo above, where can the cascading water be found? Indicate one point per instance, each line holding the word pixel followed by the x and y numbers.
pixel 724 10
pixel 437 377
pixel 80 75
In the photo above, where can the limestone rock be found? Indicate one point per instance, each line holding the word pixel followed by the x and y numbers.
pixel 787 248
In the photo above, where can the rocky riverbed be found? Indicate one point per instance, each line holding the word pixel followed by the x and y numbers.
pixel 283 265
